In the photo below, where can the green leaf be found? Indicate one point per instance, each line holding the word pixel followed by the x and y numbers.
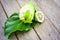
pixel 13 24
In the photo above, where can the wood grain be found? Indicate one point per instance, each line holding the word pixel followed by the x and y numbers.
pixel 30 35
pixel 33 37
pixel 57 2
pixel 11 6
pixel 46 30
pixel 2 21
pixel 52 11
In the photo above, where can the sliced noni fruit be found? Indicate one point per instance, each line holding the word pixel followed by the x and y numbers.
pixel 27 12
pixel 39 16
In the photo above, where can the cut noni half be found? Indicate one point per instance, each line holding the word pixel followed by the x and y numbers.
pixel 27 12
pixel 39 16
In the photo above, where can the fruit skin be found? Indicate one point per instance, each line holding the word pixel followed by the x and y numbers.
pixel 27 13
pixel 38 19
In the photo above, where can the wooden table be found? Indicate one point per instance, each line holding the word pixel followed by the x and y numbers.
pixel 48 30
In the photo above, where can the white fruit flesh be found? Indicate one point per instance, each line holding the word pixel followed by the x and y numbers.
pixel 27 8
pixel 39 16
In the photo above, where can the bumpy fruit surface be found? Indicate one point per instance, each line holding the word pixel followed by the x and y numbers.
pixel 27 12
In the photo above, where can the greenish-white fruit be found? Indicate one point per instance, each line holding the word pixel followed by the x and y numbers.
pixel 39 16
pixel 27 12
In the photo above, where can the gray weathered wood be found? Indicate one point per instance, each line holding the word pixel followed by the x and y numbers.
pixel 2 21
pixel 57 2
pixel 31 36
pixel 52 11
pixel 11 6
pixel 46 30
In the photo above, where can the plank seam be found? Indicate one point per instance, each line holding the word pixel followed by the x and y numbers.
pixel 33 28
pixel 37 34
pixel 4 9
pixel 16 36
pixel 7 16
pixel 48 18
pixel 18 3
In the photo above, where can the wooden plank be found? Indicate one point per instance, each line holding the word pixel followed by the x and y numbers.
pixel 2 37
pixel 11 6
pixel 26 37
pixel 57 2
pixel 46 30
pixel 52 11
pixel 22 2
pixel 2 21
pixel 30 35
